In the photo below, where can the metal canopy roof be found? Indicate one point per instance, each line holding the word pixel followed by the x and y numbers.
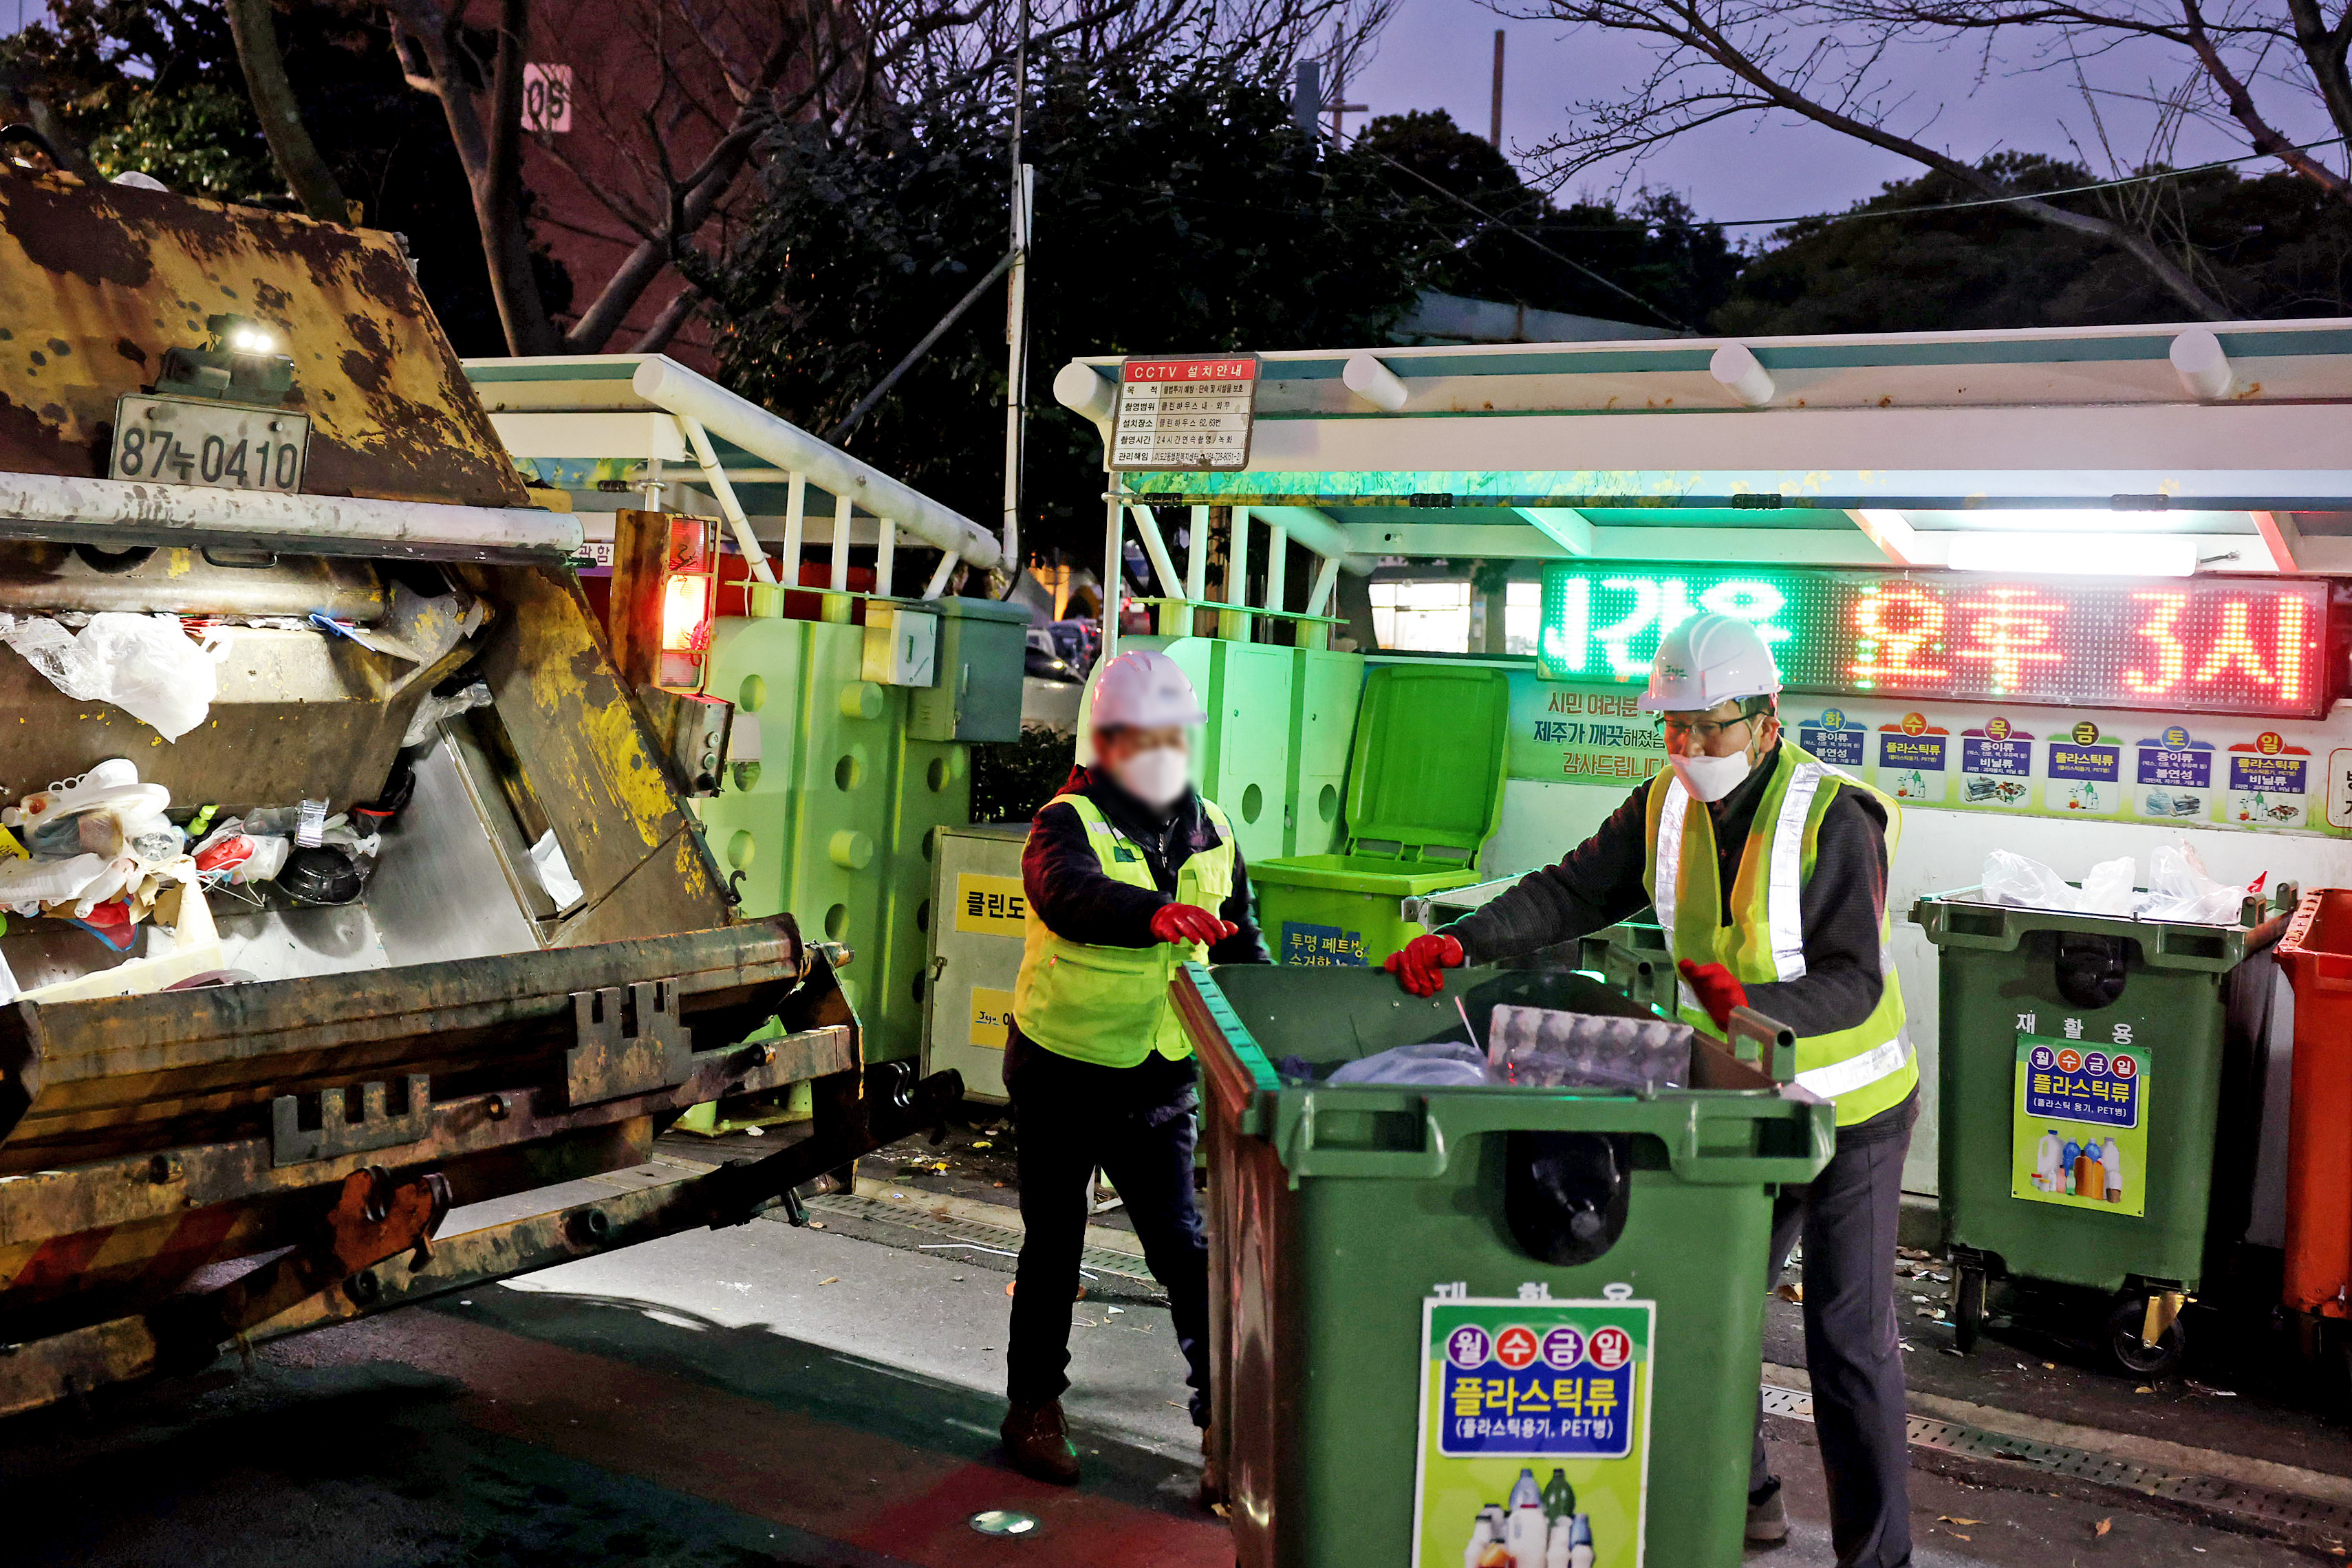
pixel 1775 447
pixel 581 421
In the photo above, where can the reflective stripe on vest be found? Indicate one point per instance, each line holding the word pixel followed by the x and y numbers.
pixel 1109 1004
pixel 1876 1061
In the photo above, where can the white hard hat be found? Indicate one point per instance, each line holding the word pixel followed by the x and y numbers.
pixel 1705 660
pixel 1145 689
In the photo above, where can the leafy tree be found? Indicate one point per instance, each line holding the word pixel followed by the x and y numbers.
pixel 1179 209
pixel 153 85
pixel 1667 268
pixel 2272 246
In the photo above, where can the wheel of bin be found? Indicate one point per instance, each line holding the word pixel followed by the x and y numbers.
pixel 1968 1308
pixel 2125 1347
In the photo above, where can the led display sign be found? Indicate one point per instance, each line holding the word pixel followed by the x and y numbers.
pixel 2238 645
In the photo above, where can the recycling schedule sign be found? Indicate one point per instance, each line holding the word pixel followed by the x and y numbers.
pixel 1534 1421
pixel 2078 1137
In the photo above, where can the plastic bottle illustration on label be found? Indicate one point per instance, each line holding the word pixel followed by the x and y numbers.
pixel 2090 1175
pixel 1528 1534
pixel 2045 1162
pixel 1482 1536
pixel 2069 1159
pixel 1559 1495
pixel 2114 1163
pixel 1556 1547
pixel 1579 1541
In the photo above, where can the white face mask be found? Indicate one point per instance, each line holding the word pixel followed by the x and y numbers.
pixel 1157 777
pixel 1710 778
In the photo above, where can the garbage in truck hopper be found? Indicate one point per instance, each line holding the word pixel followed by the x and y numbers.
pixel 2178 887
pixel 144 665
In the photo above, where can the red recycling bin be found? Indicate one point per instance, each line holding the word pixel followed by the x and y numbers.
pixel 2317 954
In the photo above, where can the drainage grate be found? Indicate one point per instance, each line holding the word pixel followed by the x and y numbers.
pixel 2229 1497
pixel 1123 1267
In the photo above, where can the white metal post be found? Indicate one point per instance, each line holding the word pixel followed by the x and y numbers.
pixel 1237 622
pixel 1196 558
pixel 722 490
pixel 1147 528
pixel 1114 542
pixel 840 579
pixel 1326 580
pixel 795 530
pixel 886 558
pixel 938 583
pixel 1278 566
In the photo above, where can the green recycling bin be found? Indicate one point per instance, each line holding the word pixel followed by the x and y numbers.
pixel 1424 787
pixel 2080 1085
pixel 1431 1306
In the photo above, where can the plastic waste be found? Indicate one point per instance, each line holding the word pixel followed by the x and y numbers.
pixel 1557 1545
pixel 2109 887
pixel 556 872
pixel 1442 1062
pixel 434 710
pixel 1558 1494
pixel 143 664
pixel 2178 889
pixel 26 885
pixel 1579 1541
pixel 1556 1050
pixel 2012 878
pixel 1528 1530
pixel 1482 1536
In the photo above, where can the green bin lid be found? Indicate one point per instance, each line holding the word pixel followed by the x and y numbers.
pixel 1426 768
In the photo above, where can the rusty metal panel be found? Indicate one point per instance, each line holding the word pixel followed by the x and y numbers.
pixel 96 282
pixel 590 763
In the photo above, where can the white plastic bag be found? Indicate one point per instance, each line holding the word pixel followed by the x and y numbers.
pixel 2012 878
pixel 432 710
pixel 556 872
pixel 2178 889
pixel 2109 888
pixel 143 664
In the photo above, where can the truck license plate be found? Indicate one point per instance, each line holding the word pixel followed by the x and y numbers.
pixel 189 440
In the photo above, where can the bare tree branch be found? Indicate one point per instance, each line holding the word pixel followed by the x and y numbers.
pixel 255 32
pixel 1716 59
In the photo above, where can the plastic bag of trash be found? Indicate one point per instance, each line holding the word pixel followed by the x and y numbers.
pixel 2012 878
pixel 433 709
pixel 1444 1063
pixel 143 664
pixel 1556 1050
pixel 2110 887
pixel 556 872
pixel 2178 889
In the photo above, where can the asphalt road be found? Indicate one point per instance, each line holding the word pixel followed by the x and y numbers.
pixel 769 1395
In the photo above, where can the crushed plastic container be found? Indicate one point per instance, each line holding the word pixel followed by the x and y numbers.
pixel 1427 1300
pixel 2317 954
pixel 1424 787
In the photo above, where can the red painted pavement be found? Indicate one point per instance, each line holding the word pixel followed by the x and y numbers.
pixel 832 1481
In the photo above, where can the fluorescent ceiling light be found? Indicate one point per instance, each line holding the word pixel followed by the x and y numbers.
pixel 2096 555
pixel 2062 519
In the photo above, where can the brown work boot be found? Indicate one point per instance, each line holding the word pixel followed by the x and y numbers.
pixel 1038 1443
pixel 1213 1478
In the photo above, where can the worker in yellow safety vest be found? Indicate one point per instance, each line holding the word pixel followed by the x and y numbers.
pixel 1127 874
pixel 1767 872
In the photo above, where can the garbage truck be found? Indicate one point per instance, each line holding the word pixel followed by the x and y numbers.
pixel 346 878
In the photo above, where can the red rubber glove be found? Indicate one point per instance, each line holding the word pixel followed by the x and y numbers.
pixel 1182 922
pixel 1421 964
pixel 1717 989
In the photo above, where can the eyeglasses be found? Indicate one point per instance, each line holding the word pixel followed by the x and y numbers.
pixel 1705 731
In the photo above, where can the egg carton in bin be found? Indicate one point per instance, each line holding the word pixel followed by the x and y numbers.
pixel 1544 1048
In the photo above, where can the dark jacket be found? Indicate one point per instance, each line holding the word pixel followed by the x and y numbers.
pixel 1065 884
pixel 1067 887
pixel 1599 884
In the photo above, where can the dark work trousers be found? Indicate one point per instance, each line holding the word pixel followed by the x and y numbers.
pixel 1852 1349
pixel 1136 1124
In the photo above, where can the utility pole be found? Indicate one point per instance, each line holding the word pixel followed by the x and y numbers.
pixel 1339 107
pixel 1023 188
pixel 1495 117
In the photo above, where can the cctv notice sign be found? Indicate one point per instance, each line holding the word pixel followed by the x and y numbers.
pixel 1185 411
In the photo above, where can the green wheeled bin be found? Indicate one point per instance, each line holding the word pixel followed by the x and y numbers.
pixel 1429 1304
pixel 2081 1084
